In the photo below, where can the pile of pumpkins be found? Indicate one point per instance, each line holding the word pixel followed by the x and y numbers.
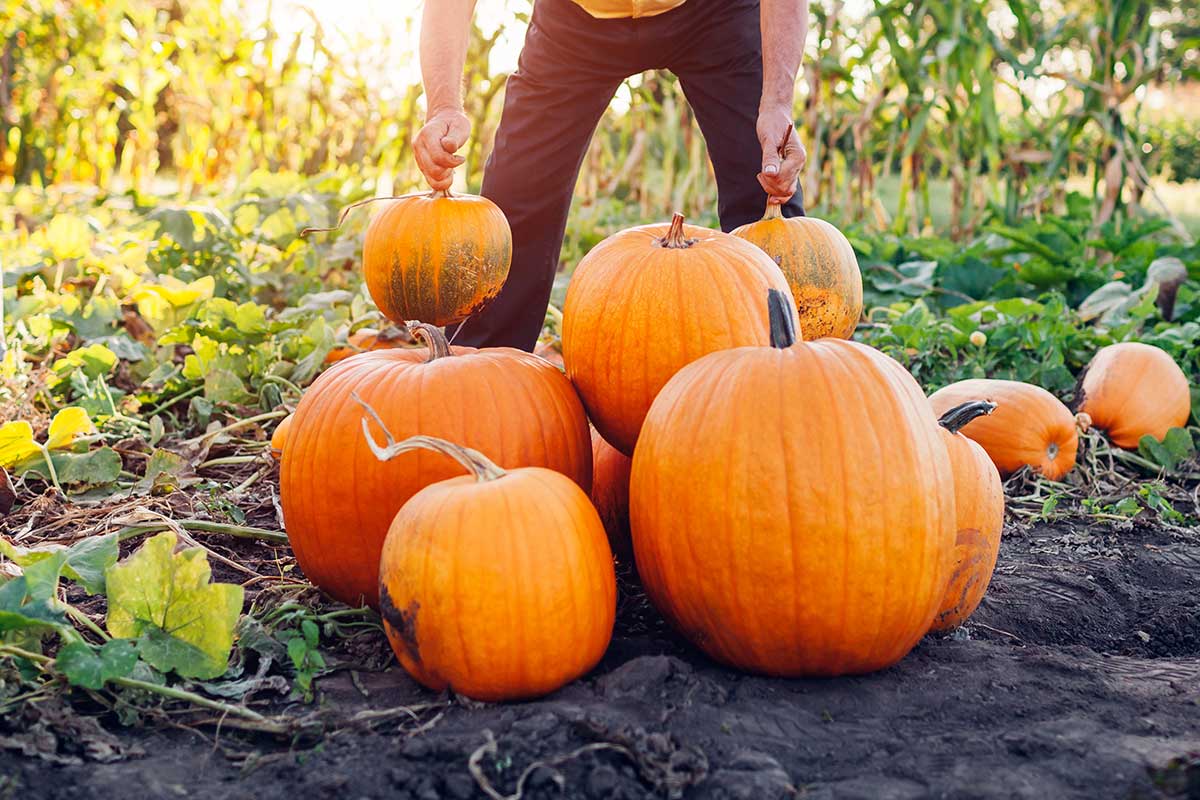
pixel 794 504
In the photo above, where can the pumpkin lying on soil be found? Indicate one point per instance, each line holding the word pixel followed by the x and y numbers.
pixel 368 339
pixel 1131 390
pixel 979 511
pixel 279 437
pixel 498 585
pixel 338 499
pixel 1029 427
pixel 649 300
pixel 820 267
pixel 610 494
pixel 435 257
pixel 792 506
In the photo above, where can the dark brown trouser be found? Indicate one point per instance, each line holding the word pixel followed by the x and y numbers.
pixel 569 68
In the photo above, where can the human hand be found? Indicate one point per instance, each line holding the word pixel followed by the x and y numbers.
pixel 782 158
pixel 437 144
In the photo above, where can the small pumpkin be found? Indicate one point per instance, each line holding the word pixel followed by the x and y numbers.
pixel 338 499
pixel 1131 390
pixel 792 506
pixel 279 437
pixel 436 257
pixel 610 494
pixel 498 585
pixel 979 510
pixel 820 267
pixel 1029 427
pixel 368 339
pixel 649 300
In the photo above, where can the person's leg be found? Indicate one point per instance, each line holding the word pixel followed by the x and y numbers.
pixel 720 70
pixel 569 69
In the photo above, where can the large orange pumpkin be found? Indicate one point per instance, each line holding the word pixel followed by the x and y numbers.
pixel 649 300
pixel 979 510
pixel 436 257
pixel 338 499
pixel 498 585
pixel 1131 390
pixel 820 267
pixel 1029 427
pixel 610 494
pixel 793 506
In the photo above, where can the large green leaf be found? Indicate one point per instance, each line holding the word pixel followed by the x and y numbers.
pixel 164 599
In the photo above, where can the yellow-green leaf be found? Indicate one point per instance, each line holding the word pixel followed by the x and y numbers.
pixel 159 596
pixel 68 425
pixel 16 442
pixel 68 236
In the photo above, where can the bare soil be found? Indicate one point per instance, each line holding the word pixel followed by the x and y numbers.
pixel 1078 677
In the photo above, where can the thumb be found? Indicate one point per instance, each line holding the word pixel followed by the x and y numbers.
pixel 456 135
pixel 770 160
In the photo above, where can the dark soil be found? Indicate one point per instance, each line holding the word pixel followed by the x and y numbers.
pixel 1078 677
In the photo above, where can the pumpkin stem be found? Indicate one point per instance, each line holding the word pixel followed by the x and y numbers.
pixel 957 418
pixel 774 211
pixel 675 238
pixel 346 212
pixel 473 461
pixel 783 323
pixel 433 338
pixel 439 193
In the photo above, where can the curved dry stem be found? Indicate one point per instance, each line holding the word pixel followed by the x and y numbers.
pixel 957 418
pixel 774 211
pixel 433 338
pixel 475 462
pixel 346 211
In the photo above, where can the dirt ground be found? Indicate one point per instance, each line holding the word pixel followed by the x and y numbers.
pixel 1078 677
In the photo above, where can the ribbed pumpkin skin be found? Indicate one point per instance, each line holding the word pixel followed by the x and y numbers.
pixel 637 311
pixel 1030 425
pixel 1133 389
pixel 793 509
pixel 820 267
pixel 436 258
pixel 500 589
pixel 338 499
pixel 610 494
pixel 979 509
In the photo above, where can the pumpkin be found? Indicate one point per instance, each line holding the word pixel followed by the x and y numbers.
pixel 1131 390
pixel 279 437
pixel 498 585
pixel 792 506
pixel 610 494
pixel 367 339
pixel 649 300
pixel 338 500
pixel 820 267
pixel 979 510
pixel 436 257
pixel 1029 427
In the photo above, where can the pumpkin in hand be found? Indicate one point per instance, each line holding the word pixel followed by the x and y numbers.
pixel 820 267
pixel 792 506
pixel 979 510
pixel 498 585
pixel 1131 390
pixel 436 257
pixel 338 499
pixel 1029 427
pixel 649 300
pixel 610 494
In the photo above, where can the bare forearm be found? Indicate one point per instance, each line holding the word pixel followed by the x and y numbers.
pixel 784 29
pixel 445 26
